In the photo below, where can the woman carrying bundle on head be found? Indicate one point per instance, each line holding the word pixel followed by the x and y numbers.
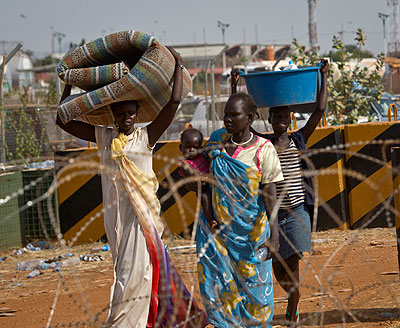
pixel 236 290
pixel 147 290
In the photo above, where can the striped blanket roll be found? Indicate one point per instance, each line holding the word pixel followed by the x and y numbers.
pixel 128 65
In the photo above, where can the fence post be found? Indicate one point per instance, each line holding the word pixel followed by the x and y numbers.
pixel 396 194
pixel 2 117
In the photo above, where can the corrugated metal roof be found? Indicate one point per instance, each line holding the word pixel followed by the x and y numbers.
pixel 199 51
pixel 392 61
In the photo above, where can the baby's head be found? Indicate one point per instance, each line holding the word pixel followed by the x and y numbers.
pixel 191 142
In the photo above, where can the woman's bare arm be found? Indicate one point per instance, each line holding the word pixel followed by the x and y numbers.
pixel 165 117
pixel 269 198
pixel 78 129
pixel 321 105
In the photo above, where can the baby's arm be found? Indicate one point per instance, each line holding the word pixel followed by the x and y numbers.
pixel 206 204
pixel 187 172
pixel 205 194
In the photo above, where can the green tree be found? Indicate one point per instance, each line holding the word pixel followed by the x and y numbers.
pixel 353 92
pixel 350 48
pixel 45 61
pixel 29 135
pixel 302 57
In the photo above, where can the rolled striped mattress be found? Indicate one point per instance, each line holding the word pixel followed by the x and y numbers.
pixel 128 65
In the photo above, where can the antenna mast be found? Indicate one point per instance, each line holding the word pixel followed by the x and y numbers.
pixel 393 35
pixel 312 25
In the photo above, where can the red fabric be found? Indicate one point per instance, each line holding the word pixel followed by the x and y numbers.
pixel 152 318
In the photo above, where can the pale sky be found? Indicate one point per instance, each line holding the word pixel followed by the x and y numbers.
pixel 183 21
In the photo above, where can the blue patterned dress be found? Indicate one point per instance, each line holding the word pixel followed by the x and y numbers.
pixel 235 291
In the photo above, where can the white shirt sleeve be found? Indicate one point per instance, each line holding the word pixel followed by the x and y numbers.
pixel 101 134
pixel 270 164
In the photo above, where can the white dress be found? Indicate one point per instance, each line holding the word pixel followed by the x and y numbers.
pixel 131 291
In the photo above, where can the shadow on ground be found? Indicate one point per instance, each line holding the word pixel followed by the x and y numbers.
pixel 340 317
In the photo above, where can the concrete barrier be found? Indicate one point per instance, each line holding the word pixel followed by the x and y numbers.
pixel 369 176
pixel 80 196
pixel 325 153
pixel 396 193
pixel 80 200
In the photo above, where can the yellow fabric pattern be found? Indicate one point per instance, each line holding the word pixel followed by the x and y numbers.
pixel 260 313
pixel 220 246
pixel 141 187
pixel 246 269
pixel 254 178
pixel 231 299
pixel 259 227
pixel 200 270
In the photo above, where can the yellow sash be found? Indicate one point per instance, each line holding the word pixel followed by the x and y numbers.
pixel 140 187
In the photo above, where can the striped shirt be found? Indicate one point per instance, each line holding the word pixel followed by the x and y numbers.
pixel 291 190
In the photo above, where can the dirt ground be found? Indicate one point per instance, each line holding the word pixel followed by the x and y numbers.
pixel 349 280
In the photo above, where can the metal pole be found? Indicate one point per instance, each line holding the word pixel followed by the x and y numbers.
pixel 206 95
pixel 11 55
pixel 6 59
pixel 212 99
pixel 1 81
pixel 223 27
pixel 224 61
pixel 383 17
pixel 2 116
pixel 385 48
pixel 213 61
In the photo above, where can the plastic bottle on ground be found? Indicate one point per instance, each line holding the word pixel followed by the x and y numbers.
pixel 28 265
pixel 33 248
pixel 19 251
pixel 42 244
pixel 260 255
pixel 290 66
pixel 103 248
pixel 73 261
pixel 34 273
pixel 47 266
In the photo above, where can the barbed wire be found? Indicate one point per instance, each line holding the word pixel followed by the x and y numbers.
pixel 69 169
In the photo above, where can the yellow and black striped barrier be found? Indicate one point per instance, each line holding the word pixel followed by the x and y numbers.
pixel 79 196
pixel 369 179
pixel 396 193
pixel 341 199
pixel 177 217
pixel 329 181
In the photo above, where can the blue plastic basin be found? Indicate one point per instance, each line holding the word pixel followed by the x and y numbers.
pixel 283 88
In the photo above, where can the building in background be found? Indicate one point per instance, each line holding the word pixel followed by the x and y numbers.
pixel 16 73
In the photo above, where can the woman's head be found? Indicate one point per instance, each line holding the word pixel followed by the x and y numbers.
pixel 191 142
pixel 240 112
pixel 279 118
pixel 125 114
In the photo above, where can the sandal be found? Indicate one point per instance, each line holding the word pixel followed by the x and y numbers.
pixel 287 316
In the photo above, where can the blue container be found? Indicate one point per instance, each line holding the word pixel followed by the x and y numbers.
pixel 284 88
